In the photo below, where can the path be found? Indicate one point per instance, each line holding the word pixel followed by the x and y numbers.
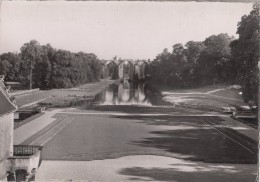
pixel 29 129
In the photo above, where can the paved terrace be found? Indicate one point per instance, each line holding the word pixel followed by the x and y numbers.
pixel 116 146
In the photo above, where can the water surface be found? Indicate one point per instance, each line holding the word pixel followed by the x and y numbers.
pixel 125 93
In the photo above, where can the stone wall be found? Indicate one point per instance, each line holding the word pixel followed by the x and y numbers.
pixel 6 141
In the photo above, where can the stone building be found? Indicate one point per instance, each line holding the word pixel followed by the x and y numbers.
pixel 17 162
pixel 7 109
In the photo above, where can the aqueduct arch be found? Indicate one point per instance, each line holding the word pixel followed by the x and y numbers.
pixel 125 69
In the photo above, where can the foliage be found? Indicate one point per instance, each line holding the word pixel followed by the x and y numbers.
pixel 45 67
pixel 217 59
pixel 198 63
pixel 9 64
pixel 245 55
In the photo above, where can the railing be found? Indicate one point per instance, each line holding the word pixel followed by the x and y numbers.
pixel 25 150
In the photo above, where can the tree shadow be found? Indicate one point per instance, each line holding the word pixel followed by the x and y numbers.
pixel 201 145
pixel 168 120
pixel 191 136
pixel 128 109
pixel 195 172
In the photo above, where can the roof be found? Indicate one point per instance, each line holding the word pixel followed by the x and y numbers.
pixel 6 104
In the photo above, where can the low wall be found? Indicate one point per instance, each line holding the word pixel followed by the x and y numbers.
pixel 24 92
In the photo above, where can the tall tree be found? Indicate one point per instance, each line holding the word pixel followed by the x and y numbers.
pixel 30 54
pixel 245 55
pixel 193 53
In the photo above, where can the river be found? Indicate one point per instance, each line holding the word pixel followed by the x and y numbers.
pixel 124 93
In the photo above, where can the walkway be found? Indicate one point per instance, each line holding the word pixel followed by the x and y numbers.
pixel 27 130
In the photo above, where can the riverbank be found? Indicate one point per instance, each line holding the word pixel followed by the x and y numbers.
pixel 62 97
pixel 208 98
pixel 75 96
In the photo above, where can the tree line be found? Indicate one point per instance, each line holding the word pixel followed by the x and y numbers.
pixel 217 59
pixel 42 66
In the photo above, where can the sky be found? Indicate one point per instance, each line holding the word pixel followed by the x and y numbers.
pixel 129 30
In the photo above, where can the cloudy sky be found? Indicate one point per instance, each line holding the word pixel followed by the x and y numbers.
pixel 126 29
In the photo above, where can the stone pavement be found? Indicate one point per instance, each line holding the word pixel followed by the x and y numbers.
pixel 24 132
pixel 134 167
pixel 241 128
pixel 227 120
pixel 29 129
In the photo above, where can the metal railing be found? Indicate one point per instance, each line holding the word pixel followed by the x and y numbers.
pixel 25 150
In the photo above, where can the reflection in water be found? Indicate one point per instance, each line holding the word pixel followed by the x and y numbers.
pixel 124 94
pixel 109 96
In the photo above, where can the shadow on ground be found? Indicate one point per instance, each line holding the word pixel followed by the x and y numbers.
pixel 191 172
pixel 193 137
pixel 145 110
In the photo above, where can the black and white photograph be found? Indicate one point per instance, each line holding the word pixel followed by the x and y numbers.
pixel 129 91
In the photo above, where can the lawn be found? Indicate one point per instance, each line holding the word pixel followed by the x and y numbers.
pixel 210 97
pixel 63 97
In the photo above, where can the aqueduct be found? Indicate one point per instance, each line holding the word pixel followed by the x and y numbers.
pixel 127 69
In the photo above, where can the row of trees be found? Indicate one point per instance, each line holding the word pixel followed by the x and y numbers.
pixel 198 63
pixel 217 59
pixel 44 67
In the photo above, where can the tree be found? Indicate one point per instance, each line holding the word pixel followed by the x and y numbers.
pixel 30 54
pixel 193 52
pixel 214 59
pixel 42 69
pixel 245 55
pixel 9 64
pixel 200 63
pixel 45 67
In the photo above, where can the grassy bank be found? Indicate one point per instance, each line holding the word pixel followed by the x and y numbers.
pixel 208 98
pixel 75 96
